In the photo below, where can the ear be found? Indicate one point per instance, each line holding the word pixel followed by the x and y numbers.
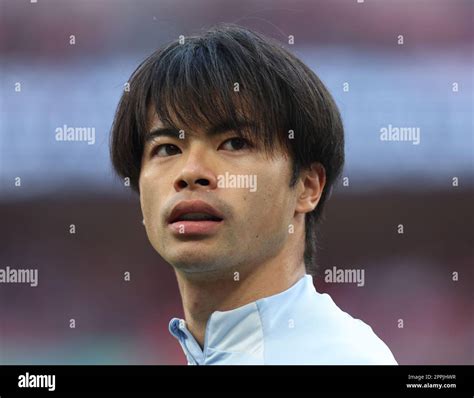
pixel 310 188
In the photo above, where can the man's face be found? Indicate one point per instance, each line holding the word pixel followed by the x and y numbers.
pixel 195 166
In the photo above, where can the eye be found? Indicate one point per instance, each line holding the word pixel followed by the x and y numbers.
pixel 236 144
pixel 165 150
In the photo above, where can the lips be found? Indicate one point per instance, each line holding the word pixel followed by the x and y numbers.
pixel 194 211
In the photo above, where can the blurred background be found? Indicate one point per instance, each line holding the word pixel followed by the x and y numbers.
pixel 72 59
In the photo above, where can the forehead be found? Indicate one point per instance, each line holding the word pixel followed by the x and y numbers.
pixel 153 121
pixel 243 125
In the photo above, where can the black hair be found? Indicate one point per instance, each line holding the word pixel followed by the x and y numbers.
pixel 192 82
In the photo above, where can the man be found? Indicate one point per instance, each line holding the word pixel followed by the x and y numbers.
pixel 233 145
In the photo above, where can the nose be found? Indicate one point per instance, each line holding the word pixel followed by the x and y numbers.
pixel 196 173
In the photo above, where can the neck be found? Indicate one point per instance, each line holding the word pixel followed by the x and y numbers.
pixel 223 293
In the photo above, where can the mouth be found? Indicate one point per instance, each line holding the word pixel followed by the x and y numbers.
pixel 194 217
pixel 186 228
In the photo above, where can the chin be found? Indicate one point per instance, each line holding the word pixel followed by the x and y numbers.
pixel 198 264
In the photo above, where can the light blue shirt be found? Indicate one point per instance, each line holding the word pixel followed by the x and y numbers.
pixel 296 327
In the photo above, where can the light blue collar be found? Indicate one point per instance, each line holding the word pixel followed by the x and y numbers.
pixel 237 336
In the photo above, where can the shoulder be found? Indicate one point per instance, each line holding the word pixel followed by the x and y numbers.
pixel 317 331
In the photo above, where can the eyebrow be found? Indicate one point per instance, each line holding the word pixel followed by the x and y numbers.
pixel 211 132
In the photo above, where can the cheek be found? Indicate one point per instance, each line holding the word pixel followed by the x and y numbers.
pixel 267 207
pixel 275 194
pixel 149 195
